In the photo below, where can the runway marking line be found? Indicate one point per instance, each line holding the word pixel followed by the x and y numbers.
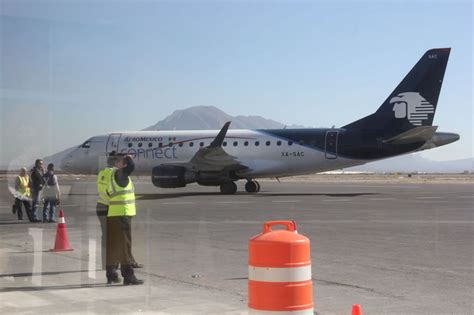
pixel 429 198
pixel 335 200
pixel 178 203
pixel 375 199
pixel 225 202
pixel 467 197
pixel 285 201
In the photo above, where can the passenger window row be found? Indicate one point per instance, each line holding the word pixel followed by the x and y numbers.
pixel 224 144
pixel 256 143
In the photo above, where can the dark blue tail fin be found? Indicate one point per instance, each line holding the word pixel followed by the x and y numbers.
pixel 413 102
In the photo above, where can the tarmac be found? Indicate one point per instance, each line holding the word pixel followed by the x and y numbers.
pixel 394 247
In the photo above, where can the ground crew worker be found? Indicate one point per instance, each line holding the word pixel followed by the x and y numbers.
pixel 102 207
pixel 22 195
pixel 119 222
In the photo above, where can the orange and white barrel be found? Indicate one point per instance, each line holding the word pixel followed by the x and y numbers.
pixel 280 272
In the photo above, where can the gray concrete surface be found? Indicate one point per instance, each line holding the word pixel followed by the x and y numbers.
pixel 394 248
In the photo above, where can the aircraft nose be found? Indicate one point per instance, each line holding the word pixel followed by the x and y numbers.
pixel 66 163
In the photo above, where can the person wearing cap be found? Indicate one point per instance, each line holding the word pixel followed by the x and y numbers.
pixel 51 194
pixel 22 195
pixel 36 185
pixel 119 222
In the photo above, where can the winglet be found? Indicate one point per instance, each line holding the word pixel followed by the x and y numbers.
pixel 217 142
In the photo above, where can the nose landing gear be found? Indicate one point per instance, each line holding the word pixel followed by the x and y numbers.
pixel 252 186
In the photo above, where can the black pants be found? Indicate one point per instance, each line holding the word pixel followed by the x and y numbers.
pixel 19 211
pixel 119 246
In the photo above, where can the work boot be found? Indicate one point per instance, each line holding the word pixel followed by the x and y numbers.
pixel 113 280
pixel 132 281
pixel 111 274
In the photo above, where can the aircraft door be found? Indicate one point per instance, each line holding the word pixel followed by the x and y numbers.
pixel 113 142
pixel 330 147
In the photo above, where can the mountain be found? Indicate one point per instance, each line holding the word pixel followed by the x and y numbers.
pixel 210 117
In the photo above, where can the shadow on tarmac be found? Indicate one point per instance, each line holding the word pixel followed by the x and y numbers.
pixel 174 195
pixel 316 194
pixel 53 287
pixel 40 251
pixel 47 273
pixel 238 278
pixel 259 195
pixel 16 222
pixel 57 287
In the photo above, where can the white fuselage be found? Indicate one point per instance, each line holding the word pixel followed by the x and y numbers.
pixel 264 155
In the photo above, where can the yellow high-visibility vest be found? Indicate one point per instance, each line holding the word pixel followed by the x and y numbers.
pixel 122 199
pixel 24 188
pixel 103 179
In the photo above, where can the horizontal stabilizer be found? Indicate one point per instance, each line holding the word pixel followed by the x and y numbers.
pixel 418 134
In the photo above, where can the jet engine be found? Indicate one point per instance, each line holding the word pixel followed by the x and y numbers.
pixel 171 176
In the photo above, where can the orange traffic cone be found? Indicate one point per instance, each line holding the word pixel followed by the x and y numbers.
pixel 356 309
pixel 62 243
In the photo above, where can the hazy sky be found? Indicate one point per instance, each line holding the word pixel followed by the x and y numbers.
pixel 74 69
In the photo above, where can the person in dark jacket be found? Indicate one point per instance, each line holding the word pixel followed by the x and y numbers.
pixel 37 184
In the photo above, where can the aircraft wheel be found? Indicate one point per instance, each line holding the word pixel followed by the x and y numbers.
pixel 251 186
pixel 258 186
pixel 228 188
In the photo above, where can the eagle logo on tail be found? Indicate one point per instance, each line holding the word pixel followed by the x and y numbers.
pixel 413 106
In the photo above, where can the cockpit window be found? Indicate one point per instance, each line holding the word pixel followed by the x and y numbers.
pixel 86 145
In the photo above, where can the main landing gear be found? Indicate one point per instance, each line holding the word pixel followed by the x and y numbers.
pixel 230 188
pixel 252 186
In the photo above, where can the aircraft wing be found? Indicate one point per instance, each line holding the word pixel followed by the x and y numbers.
pixel 213 158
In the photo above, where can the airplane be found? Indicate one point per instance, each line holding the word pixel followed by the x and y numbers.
pixel 402 124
